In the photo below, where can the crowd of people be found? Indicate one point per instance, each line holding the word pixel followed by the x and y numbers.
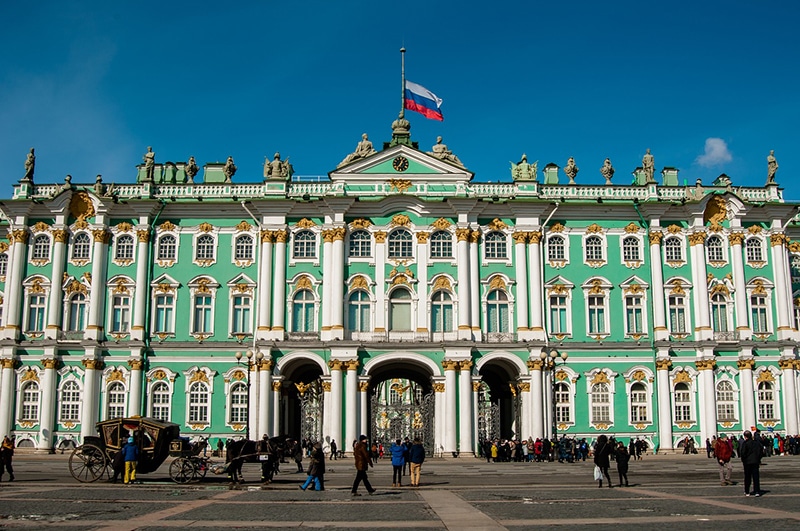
pixel 566 449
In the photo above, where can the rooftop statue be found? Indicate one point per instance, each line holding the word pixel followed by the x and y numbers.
pixel 278 169
pixel 607 170
pixel 191 170
pixel 441 152
pixel 401 126
pixel 522 171
pixel 649 166
pixel 229 169
pixel 149 163
pixel 363 149
pixel 99 187
pixel 571 170
pixel 30 166
pixel 772 166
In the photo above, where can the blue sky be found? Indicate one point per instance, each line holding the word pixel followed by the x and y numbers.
pixel 709 87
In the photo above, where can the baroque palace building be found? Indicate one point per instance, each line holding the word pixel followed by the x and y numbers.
pixel 399 297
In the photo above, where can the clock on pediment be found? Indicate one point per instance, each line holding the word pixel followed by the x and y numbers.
pixel 400 163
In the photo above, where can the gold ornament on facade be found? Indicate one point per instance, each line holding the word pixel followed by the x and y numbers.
pixel 238 375
pixel 143 236
pixel 30 375
pixel 159 375
pixel 200 427
pixel 449 365
pixel 400 220
pixel 326 386
pixel 276 386
pixel 655 238
pixel 442 282
pixel 720 288
pixel 759 287
pixel 75 287
pixel 631 228
pixel 50 363
pixel 92 364
pixel 124 227
pixel 401 185
pixel 8 363
pixel 594 228
pixel 198 376
pixel 351 365
pixel 639 426
pixel 305 223
pixel 205 227
pixel 422 237
pixel 476 386
pixel 304 282
pixel 81 206
pixel 674 229
pixel 400 278
pixel 497 282
pixel 715 213
pixel 81 224
pixel 19 236
pixel 327 236
pixel 265 365
pixel 135 364
pixel 497 225
pixel 754 229
pixel 474 236
pixel 363 387
pixel 663 364
pixel 101 236
pixel 682 376
pixel 359 282
pixel 597 287
pixel 267 236
pixel 746 364
pixel 634 289
pixel 115 376
pixel 525 387
pixel 638 375
pixel 765 376
pixel 558 289
pixel 736 238
pixel 441 224
pixel 776 240
pixel 36 286
pixel 202 286
pixel 697 238
pixel 4 246
pixel 513 388
pixel 165 288
pixel 465 365
pixel 380 236
pixel 336 365
pixel 40 226
pixel 599 378
pixel 794 247
pixel 535 237
pixel 462 235
pixel 360 223
pixel 520 237
pixel 338 233
pixel 677 289
pixel 558 227
pixel 242 288
pixel 784 364
pixel 705 365
pixel 534 365
pixel 244 226
pixel 281 236
pixel 603 426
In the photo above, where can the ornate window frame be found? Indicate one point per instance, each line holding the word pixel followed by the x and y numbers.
pixel 597 287
pixel 303 282
pixel 640 375
pixel 83 234
pixel 761 287
pixel 303 226
pixel 716 251
pixel 360 282
pixel 202 286
pixel 683 375
pixel 36 285
pixel 159 375
pixel 120 286
pixel 628 261
pixel 755 235
pixel 679 287
pixel 28 376
pixel 241 286
pixel 674 241
pixel 208 233
pixel 501 242
pixel 607 378
pixel 41 253
pixel 70 405
pixel 595 232
pixel 234 377
pixel 559 287
pixel 367 243
pixel 557 231
pixel 201 376
pixel 443 284
pixel 635 287
pixel 502 284
pixel 404 245
pixel 433 242
pixel 723 377
pixel 413 303
pixel 166 286
pixel 566 376
pixel 167 229
pixel 768 375
pixel 123 230
pixel 4 260
pixel 113 376
pixel 72 292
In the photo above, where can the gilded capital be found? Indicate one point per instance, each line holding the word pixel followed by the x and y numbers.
pixel 352 365
pixel 422 237
pixel 327 236
pixel 19 236
pixel 380 236
pixel 535 237
pixel 462 235
pixel 785 364
pixel 476 386
pixel 92 364
pixel 326 386
pixel 747 364
pixel 143 235
pixel 59 235
pixel 266 365
pixel 663 364
pixel 736 238
pixel 697 238
pixel 525 387
pixel 520 237
pixel 336 365
pixel 465 365
pixel 135 364
pixel 449 365
pixel 49 363
pixel 776 240
pixel 8 363
pixel 338 233
pixel 363 386
pixel 535 365
pixel 656 237
pixel 267 236
pixel 101 235
pixel 438 388
pixel 276 386
pixel 705 365
pixel 280 236
pixel 474 236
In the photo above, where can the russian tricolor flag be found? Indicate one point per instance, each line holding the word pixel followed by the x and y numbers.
pixel 421 100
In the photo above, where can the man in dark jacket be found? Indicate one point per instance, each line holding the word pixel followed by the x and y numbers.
pixel 416 454
pixel 750 452
pixel 363 462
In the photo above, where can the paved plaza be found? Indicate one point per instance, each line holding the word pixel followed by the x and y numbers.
pixel 458 494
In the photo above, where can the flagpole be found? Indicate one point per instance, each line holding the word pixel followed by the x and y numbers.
pixel 402 82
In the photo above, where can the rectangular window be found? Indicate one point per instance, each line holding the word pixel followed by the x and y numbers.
pixel 683 407
pixel 120 314
pixel 726 412
pixel 36 307
pixel 758 312
pixel 198 404
pixel 202 314
pixel 558 314
pixel 442 318
pixel 677 314
pixel 497 316
pixel 639 407
pixel 633 314
pixel 597 315
pixel 161 404
pixel 241 314
pixel 30 403
pixel 563 406
pixel 165 310
pixel 239 404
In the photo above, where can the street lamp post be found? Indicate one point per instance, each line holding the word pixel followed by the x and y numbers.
pixel 549 358
pixel 258 355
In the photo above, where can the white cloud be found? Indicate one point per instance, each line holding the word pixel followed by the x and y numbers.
pixel 716 153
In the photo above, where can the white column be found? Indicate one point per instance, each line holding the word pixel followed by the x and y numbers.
pixel 450 413
pixel 90 406
pixel 783 292
pixel 265 398
pixel 788 365
pixel 13 300
pixel 707 398
pixel 135 394
pixel 524 430
pixel 327 285
pixel 536 284
pixel 351 403
pixel 380 283
pixel 521 273
pixel 48 405
pixel 475 286
pixel 141 290
pixel 537 399
pixel 466 429
pixel 6 394
pixel 279 300
pixel 663 364
pixel 264 287
pixel 547 398
pixel 97 298
pixel 337 283
pixel 439 408
pixel 422 281
pixel 746 364
pixel 276 407
pixel 253 389
pixel 335 431
pixel 660 331
pixel 739 285
pixel 56 303
pixel 702 311
pixel 464 303
pixel 476 386
pixel 363 419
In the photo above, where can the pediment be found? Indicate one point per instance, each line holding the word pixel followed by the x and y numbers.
pixel 401 163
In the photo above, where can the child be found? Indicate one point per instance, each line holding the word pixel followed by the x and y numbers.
pixel 622 457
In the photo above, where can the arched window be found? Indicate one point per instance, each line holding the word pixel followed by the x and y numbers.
pixel 441 244
pixel 81 246
pixel 124 250
pixel 358 311
pixel 360 244
pixel 303 311
pixel 401 244
pixel 563 403
pixel 41 247
pixel 199 403
pixel 556 250
pixel 766 402
pixel 160 398
pixel 719 312
pixel 76 318
pixel 726 402
pixel 630 249
pixel 601 403
pixel 29 410
pixel 243 247
pixel 754 251
pixel 715 249
pixel 167 247
pixel 238 404
pixel 69 402
pixel 673 249
pixel 497 312
pixel 639 407
pixel 495 246
pixel 683 403
pixel 3 264
pixel 400 310
pixel 594 249
pixel 441 312
pixel 305 244
pixel 205 247
pixel 115 407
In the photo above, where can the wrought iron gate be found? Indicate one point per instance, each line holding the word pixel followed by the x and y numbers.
pixel 311 410
pixel 399 411
pixel 488 415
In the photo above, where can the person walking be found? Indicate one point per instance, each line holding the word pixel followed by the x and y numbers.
pixel 297 453
pixel 723 450
pixel 130 453
pixel 362 462
pixel 266 455
pixel 750 453
pixel 316 468
pixel 398 462
pixel 334 449
pixel 602 452
pixel 6 457
pixel 416 454
pixel 622 458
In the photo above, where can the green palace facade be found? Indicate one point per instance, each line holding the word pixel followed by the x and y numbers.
pixel 399 297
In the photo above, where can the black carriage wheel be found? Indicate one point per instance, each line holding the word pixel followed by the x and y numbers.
pixel 87 463
pixel 200 468
pixel 182 471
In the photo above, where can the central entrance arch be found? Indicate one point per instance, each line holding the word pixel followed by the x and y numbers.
pixel 302 399
pixel 499 404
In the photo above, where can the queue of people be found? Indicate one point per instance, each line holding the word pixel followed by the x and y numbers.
pixel 566 449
